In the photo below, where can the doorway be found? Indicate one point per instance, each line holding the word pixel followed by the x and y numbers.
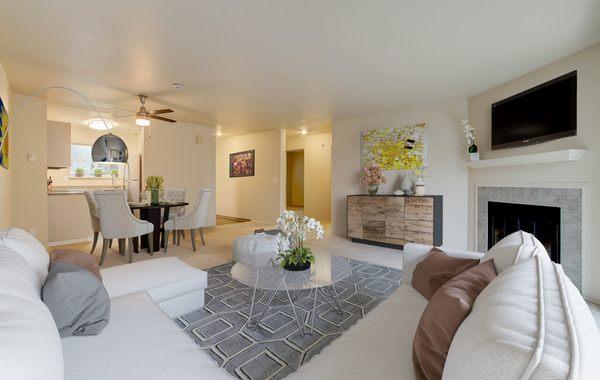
pixel 295 180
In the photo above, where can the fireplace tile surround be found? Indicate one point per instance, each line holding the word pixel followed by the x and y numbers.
pixel 568 199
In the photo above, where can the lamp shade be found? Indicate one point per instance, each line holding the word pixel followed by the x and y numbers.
pixel 110 148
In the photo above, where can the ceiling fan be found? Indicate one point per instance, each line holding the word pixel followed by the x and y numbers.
pixel 143 116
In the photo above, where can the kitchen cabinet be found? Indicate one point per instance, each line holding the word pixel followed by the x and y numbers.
pixel 59 144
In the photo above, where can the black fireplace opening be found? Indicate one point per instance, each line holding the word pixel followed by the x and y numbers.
pixel 542 221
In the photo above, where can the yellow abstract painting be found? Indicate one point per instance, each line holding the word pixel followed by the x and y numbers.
pixel 3 135
pixel 396 148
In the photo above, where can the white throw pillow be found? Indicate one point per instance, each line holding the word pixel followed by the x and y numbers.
pixel 30 347
pixel 29 248
pixel 514 248
pixel 528 323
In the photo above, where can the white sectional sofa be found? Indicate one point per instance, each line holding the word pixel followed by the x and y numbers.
pixel 141 340
pixel 530 322
pixel 500 338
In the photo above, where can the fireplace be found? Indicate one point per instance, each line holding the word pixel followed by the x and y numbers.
pixel 564 207
pixel 541 221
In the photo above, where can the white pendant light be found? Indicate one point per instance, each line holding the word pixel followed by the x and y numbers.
pixel 101 125
pixel 142 121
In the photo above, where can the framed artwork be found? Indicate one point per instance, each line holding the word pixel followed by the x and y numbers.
pixel 395 148
pixel 241 164
pixel 3 135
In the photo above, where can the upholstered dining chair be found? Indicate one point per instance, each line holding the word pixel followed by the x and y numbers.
pixel 95 218
pixel 175 195
pixel 195 220
pixel 117 222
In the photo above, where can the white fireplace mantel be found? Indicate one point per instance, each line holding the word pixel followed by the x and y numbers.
pixel 565 155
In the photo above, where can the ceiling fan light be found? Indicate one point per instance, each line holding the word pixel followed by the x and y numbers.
pixel 100 125
pixel 142 121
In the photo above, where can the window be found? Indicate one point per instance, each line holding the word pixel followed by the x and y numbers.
pixel 81 158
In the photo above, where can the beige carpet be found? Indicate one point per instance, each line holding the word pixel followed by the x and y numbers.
pixel 219 241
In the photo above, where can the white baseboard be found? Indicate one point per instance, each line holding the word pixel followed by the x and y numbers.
pixel 72 241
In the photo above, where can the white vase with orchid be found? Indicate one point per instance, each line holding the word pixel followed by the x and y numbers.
pixel 294 231
pixel 469 132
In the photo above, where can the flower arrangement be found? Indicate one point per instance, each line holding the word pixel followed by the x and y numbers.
pixel 79 172
pixel 469 132
pixel 154 184
pixel 114 173
pixel 98 172
pixel 372 176
pixel 294 231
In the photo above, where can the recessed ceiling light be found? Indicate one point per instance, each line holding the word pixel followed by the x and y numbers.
pixel 177 85
pixel 304 131
pixel 100 125
pixel 219 133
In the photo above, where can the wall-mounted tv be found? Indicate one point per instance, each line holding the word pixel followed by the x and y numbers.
pixel 545 112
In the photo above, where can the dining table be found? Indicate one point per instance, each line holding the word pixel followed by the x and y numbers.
pixel 152 213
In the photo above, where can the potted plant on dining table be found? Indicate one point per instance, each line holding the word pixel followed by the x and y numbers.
pixel 294 231
pixel 154 184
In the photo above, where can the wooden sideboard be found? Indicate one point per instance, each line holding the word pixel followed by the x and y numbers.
pixel 392 221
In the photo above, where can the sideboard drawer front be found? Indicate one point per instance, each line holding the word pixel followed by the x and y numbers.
pixel 394 218
pixel 419 226
pixel 374 231
pixel 423 201
pixel 419 237
pixel 373 209
pixel 355 217
pixel 419 208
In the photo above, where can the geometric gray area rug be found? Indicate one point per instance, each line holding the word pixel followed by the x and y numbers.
pixel 275 348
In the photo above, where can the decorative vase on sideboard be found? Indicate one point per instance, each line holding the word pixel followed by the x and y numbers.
pixel 372 189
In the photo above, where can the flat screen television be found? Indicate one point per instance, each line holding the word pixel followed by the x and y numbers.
pixel 545 112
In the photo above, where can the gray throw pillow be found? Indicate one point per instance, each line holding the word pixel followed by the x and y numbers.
pixel 77 300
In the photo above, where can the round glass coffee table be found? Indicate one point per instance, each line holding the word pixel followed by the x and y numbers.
pixel 320 279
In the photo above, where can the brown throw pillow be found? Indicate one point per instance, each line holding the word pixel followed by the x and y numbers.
pixel 77 258
pixel 436 269
pixel 442 317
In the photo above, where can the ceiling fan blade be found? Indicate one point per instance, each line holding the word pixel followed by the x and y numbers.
pixel 162 118
pixel 158 112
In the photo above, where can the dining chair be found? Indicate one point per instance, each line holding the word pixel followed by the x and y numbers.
pixel 118 222
pixel 95 218
pixel 175 195
pixel 195 220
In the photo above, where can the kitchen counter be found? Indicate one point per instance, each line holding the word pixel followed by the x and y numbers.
pixel 77 190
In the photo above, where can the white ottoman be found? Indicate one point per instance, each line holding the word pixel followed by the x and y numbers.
pixel 174 286
pixel 255 250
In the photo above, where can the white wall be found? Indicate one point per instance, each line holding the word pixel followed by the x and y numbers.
pixel 317 173
pixel 29 191
pixel 585 172
pixel 446 175
pixel 171 150
pixel 5 175
pixel 262 196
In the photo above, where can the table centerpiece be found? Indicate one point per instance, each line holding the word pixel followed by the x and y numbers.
pixel 294 231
